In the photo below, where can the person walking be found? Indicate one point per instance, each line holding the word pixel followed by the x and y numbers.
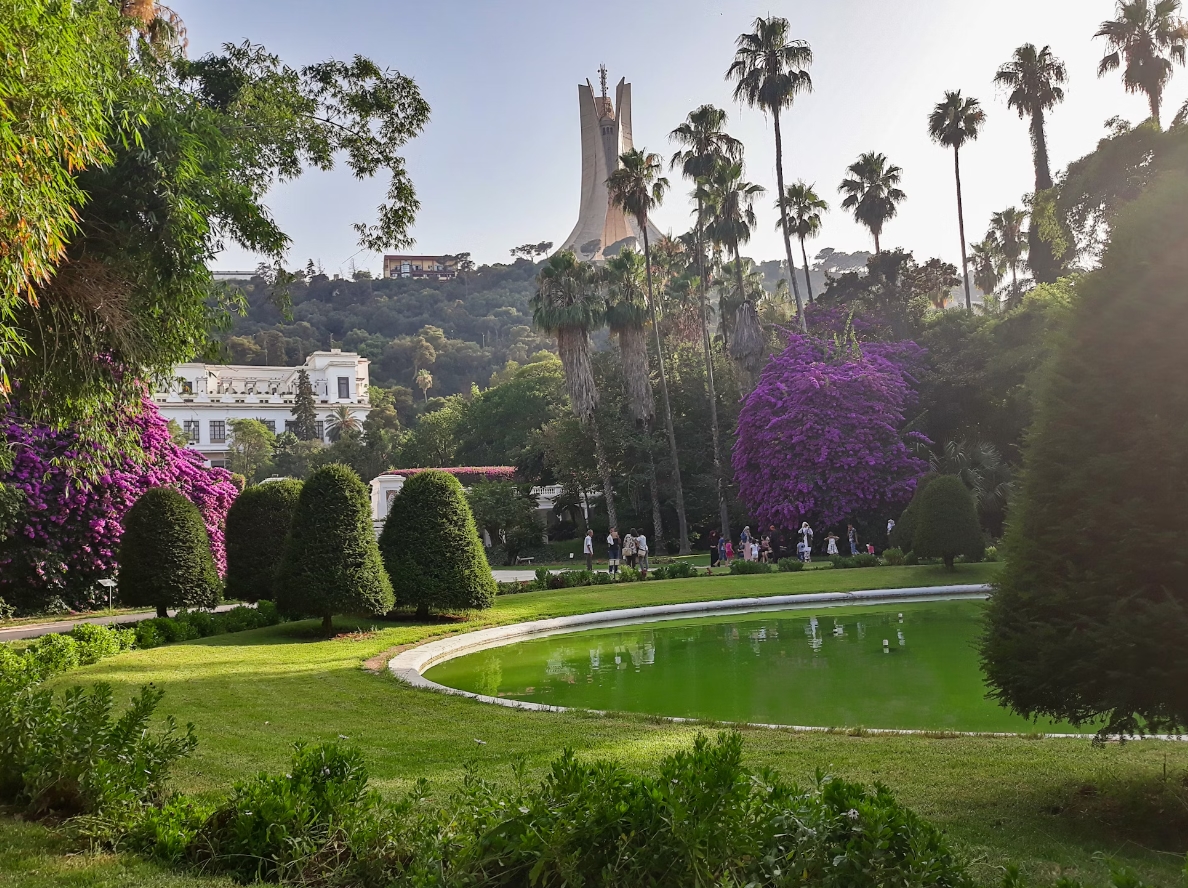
pixel 723 551
pixel 729 551
pixel 588 550
pixel 641 549
pixel 629 550
pixel 613 550
pixel 831 549
pixel 890 527
pixel 744 540
pixel 765 550
pixel 852 536
pixel 806 537
pixel 715 545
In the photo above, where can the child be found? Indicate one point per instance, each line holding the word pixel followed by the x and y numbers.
pixel 870 548
pixel 802 551
pixel 729 551
pixel 832 547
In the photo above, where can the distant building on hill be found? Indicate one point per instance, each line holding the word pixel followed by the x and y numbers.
pixel 440 268
pixel 204 398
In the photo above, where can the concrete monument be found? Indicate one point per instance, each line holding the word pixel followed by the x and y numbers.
pixel 602 230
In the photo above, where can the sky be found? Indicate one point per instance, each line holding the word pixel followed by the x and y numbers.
pixel 499 163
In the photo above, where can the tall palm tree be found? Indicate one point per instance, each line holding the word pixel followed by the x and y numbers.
pixel 769 71
pixel 424 381
pixel 704 145
pixel 1034 78
pixel 953 122
pixel 802 211
pixel 989 265
pixel 567 304
pixel 341 420
pixel 1006 230
pixel 627 318
pixel 728 204
pixel 872 192
pixel 1145 38
pixel 635 188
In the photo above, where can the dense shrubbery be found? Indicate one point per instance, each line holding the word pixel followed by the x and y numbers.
pixel 165 557
pixel 431 548
pixel 257 525
pixel 893 557
pixel 749 567
pixel 846 562
pixel 947 523
pixel 331 564
pixel 790 565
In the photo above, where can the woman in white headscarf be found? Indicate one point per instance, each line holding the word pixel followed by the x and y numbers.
pixel 806 536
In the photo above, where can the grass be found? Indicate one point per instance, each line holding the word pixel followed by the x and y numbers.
pixel 1056 807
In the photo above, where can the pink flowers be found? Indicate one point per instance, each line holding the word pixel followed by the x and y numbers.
pixel 69 531
pixel 819 438
pixel 487 473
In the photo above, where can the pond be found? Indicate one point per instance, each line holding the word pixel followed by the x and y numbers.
pixel 906 666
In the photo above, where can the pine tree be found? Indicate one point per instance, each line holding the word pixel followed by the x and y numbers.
pixel 305 415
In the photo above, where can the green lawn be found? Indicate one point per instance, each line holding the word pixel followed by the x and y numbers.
pixel 1056 807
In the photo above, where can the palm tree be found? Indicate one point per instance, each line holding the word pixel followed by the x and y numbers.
pixel 424 381
pixel 802 209
pixel 567 304
pixel 728 204
pixel 705 146
pixel 1006 230
pixel 954 122
pixel 1144 40
pixel 769 72
pixel 989 265
pixel 627 316
pixel 341 420
pixel 635 188
pixel 1034 78
pixel 872 192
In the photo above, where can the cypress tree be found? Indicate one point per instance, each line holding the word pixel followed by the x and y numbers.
pixel 903 534
pixel 257 525
pixel 165 557
pixel 1090 620
pixel 947 522
pixel 431 548
pixel 330 563
pixel 305 416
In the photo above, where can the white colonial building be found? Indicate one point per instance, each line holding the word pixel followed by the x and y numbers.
pixel 204 398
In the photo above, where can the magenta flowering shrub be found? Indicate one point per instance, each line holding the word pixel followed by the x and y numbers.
pixel 68 529
pixel 819 438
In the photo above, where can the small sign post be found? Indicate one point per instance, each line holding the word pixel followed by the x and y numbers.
pixel 109 584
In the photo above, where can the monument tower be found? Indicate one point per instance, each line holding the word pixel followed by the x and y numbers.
pixel 602 230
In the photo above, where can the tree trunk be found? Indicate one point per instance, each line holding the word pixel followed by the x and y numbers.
pixel 1014 284
pixel 961 229
pixel 1039 146
pixel 744 373
pixel 608 489
pixel 654 490
pixel 878 249
pixel 1155 100
pixel 1039 251
pixel 807 280
pixel 162 610
pixel 775 116
pixel 678 488
pixel 709 377
pixel 422 611
pixel 328 623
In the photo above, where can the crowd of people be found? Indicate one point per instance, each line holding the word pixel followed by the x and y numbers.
pixel 631 550
pixel 770 547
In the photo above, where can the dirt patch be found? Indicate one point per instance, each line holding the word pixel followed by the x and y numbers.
pixel 379 662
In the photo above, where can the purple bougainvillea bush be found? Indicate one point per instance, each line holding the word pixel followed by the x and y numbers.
pixel 68 527
pixel 820 438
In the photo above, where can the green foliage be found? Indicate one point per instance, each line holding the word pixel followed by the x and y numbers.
pixel 330 563
pixel 305 414
pixel 257 525
pixel 165 557
pixel 947 522
pixel 1090 616
pixel 250 448
pixel 507 511
pixel 432 550
pixel 66 756
pixel 790 565
pixel 894 557
pixel 903 534
pixel 739 566
pixel 678 570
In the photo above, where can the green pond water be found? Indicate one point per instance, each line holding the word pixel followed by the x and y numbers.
pixel 822 667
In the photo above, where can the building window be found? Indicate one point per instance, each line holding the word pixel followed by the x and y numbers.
pixel 190 427
pixel 319 430
pixel 290 425
pixel 218 431
pixel 344 387
pixel 269 424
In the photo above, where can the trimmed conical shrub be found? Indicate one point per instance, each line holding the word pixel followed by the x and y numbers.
pixel 432 549
pixel 257 525
pixel 947 522
pixel 331 564
pixel 1090 619
pixel 165 557
pixel 903 534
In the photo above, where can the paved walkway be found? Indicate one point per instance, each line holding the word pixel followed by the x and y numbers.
pixel 35 630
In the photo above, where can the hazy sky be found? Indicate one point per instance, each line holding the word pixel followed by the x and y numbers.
pixel 498 165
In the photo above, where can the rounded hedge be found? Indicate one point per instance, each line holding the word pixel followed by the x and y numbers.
pixel 165 557
pixel 903 534
pixel 330 563
pixel 432 549
pixel 947 522
pixel 257 525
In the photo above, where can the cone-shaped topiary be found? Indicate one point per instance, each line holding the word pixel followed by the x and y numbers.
pixel 947 522
pixel 330 563
pixel 257 525
pixel 1090 619
pixel 903 534
pixel 432 549
pixel 165 556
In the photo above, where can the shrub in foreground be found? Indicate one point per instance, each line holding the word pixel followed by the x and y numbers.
pixel 893 557
pixel 431 548
pixel 947 523
pixel 790 565
pixel 331 564
pixel 257 525
pixel 749 567
pixel 165 555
